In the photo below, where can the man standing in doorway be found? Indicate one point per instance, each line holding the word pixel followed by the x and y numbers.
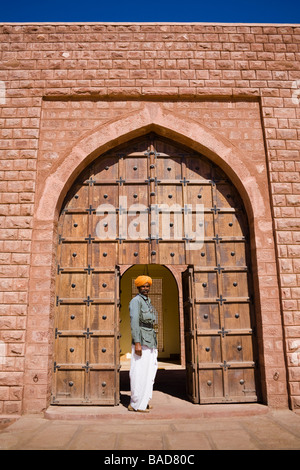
pixel 144 347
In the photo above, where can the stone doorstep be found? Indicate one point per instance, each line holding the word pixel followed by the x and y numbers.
pixel 167 412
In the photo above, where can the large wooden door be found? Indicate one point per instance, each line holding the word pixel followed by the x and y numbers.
pixel 220 348
pixel 190 330
pixel 139 204
pixel 86 362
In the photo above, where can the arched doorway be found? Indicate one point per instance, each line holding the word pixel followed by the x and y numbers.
pixel 153 202
pixel 164 297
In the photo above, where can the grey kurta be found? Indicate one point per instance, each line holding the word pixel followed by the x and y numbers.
pixel 141 311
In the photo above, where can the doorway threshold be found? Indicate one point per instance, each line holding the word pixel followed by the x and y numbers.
pixel 161 365
pixel 160 411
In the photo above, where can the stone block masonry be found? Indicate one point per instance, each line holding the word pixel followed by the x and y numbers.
pixel 61 82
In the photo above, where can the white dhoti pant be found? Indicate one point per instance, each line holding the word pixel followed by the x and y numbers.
pixel 142 375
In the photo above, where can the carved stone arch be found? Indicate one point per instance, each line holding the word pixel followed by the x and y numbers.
pixel 151 118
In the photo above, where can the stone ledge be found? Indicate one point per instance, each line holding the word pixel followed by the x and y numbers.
pixel 159 412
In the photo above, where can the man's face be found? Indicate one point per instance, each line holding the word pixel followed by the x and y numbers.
pixel 144 290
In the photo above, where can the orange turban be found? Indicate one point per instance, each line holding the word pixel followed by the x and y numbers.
pixel 141 280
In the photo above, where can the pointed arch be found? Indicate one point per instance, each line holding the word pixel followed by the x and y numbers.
pixel 150 118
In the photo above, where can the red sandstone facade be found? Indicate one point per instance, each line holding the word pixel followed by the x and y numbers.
pixel 70 92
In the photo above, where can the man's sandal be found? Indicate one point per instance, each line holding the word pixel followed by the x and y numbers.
pixel 139 411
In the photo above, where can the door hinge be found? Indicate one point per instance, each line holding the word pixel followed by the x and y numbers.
pixel 57 333
pixel 56 366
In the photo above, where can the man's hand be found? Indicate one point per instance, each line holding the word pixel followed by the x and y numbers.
pixel 138 349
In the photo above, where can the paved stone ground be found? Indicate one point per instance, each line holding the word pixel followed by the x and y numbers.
pixel 275 430
pixel 174 424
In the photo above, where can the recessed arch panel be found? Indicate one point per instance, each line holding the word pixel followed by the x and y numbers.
pixel 150 118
